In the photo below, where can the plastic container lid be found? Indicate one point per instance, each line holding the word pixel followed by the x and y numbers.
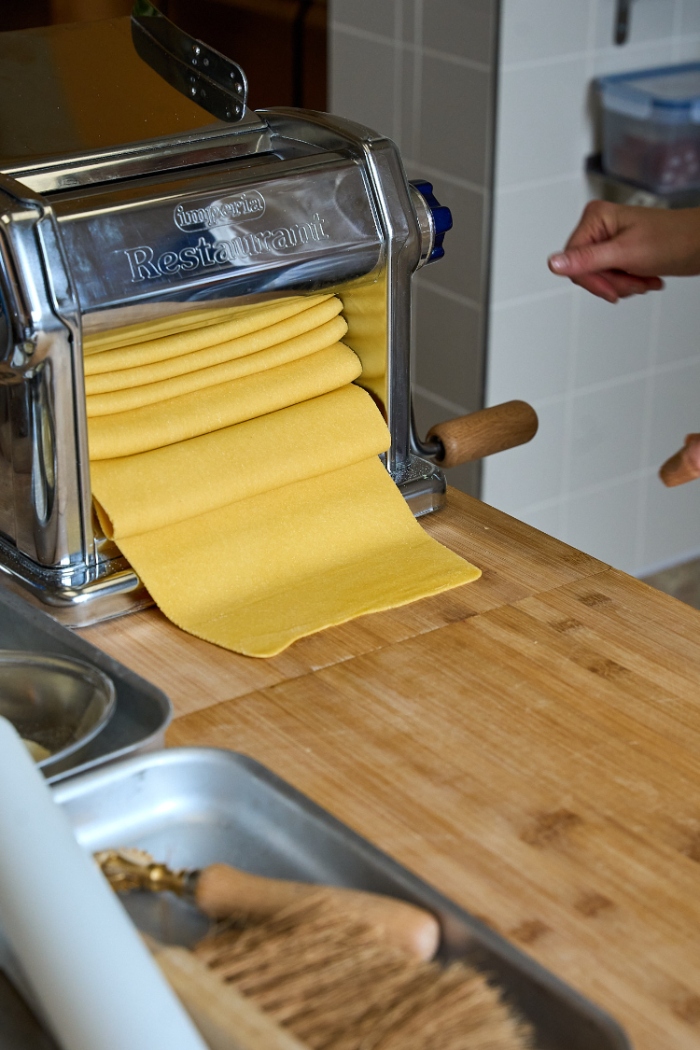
pixel 666 95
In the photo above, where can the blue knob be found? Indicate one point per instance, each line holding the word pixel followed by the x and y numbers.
pixel 442 216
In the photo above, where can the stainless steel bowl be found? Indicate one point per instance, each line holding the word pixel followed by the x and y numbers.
pixel 59 703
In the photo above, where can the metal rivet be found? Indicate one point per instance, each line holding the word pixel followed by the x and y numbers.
pixel 205 61
pixel 196 49
pixel 238 87
pixel 203 93
pixel 238 109
pixel 193 91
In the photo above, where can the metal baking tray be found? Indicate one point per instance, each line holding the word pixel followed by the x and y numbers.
pixel 194 806
pixel 142 711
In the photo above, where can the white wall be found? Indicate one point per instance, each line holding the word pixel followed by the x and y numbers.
pixel 616 387
pixel 422 72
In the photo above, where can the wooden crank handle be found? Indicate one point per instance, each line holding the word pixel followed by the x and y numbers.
pixel 221 891
pixel 685 465
pixel 226 1019
pixel 485 432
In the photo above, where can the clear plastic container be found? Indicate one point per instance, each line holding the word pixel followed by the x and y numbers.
pixel 651 127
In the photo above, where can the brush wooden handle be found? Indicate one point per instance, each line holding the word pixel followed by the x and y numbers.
pixel 222 891
pixel 684 465
pixel 224 1017
pixel 482 433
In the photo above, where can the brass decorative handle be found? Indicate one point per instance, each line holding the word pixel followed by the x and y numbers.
pixel 482 433
pixel 221 891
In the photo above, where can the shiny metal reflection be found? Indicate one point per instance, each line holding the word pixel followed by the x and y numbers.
pixel 59 703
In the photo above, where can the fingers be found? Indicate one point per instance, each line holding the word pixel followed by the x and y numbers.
pixel 618 251
pixel 613 285
pixel 600 221
pixel 588 258
pixel 598 285
pixel 626 284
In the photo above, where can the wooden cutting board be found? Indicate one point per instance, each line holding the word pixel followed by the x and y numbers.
pixel 530 744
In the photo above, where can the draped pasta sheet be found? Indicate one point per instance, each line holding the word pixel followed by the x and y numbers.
pixel 236 467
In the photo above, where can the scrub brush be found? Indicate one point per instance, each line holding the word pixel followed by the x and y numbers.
pixel 332 977
pixel 334 985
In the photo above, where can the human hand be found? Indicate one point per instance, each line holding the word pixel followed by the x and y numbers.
pixel 684 465
pixel 617 250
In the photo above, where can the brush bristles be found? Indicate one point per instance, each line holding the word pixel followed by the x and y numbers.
pixel 335 986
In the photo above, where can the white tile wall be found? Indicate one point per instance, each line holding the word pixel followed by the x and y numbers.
pixel 538 142
pixel 617 387
pixel 511 479
pixel 605 521
pixel 533 30
pixel 422 72
pixel 530 221
pixel 537 370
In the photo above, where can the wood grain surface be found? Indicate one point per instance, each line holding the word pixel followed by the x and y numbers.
pixel 516 561
pixel 529 744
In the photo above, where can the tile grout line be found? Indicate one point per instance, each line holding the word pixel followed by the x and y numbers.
pixel 440 173
pixel 417 75
pixel 676 31
pixel 371 37
pixel 539 184
pixel 442 402
pixel 639 46
pixel 398 75
pixel 563 288
pixel 645 451
pixel 568 435
pixel 574 340
pixel 642 474
pixel 447 293
pixel 619 381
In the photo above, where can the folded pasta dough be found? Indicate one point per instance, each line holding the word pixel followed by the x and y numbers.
pixel 244 485
pixel 269 452
pixel 257 574
pixel 96 342
pixel 198 379
pixel 242 322
pixel 247 345
pixel 141 429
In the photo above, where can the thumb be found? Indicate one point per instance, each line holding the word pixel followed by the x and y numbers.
pixel 589 258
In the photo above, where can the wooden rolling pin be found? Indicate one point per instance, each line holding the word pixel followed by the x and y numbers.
pixel 684 465
pixel 483 433
pixel 221 891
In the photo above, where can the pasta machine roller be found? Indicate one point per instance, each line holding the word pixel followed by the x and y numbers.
pixel 136 183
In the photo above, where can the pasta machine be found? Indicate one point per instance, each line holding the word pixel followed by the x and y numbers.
pixel 135 183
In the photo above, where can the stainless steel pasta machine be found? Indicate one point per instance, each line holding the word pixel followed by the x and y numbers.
pixel 135 183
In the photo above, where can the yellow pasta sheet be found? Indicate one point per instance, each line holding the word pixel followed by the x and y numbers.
pixel 281 560
pixel 254 507
pixel 291 333
pixel 139 337
pixel 201 411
